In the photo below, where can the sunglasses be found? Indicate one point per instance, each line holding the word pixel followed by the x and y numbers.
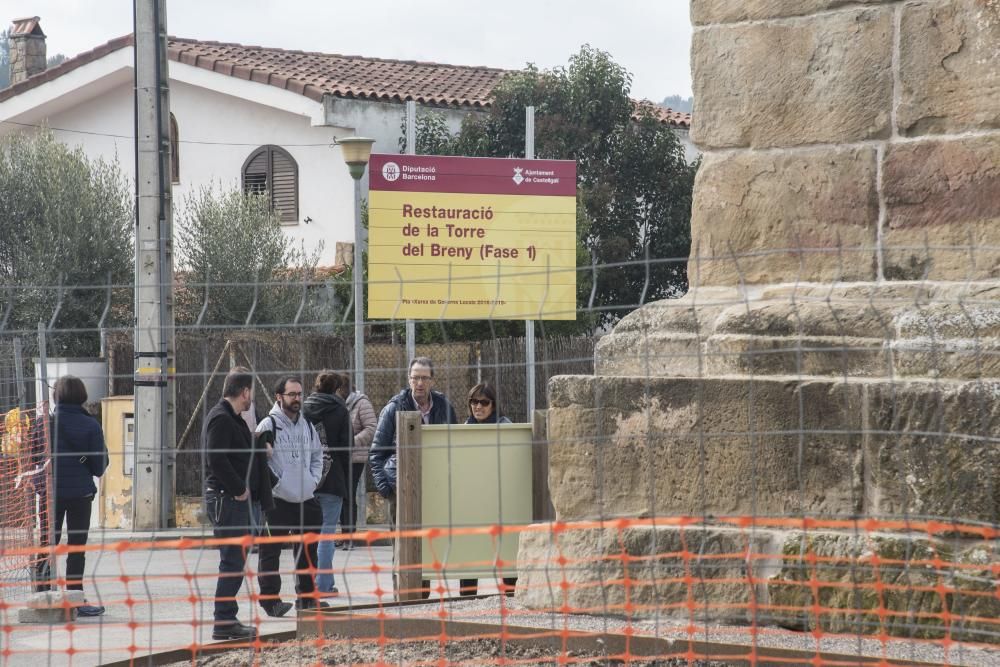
pixel 483 402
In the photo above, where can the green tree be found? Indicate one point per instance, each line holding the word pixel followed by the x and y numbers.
pixel 635 186
pixel 66 230
pixel 234 256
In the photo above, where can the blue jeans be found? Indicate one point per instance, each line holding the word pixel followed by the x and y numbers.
pixel 231 518
pixel 331 505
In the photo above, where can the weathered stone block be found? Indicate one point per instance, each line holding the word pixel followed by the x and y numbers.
pixel 637 447
pixel 664 338
pixel 930 450
pixel 943 218
pixel 767 218
pixel 949 51
pixel 55 599
pixel 873 583
pixel 822 80
pixel 728 11
pixel 796 355
pixel 585 571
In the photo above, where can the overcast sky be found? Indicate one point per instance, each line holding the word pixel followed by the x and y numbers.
pixel 651 38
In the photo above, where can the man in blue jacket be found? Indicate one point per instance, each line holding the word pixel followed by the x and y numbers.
pixel 434 408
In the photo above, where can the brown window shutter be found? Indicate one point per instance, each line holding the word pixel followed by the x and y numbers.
pixel 284 187
pixel 255 174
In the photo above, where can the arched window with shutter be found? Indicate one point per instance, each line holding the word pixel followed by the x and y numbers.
pixel 271 171
pixel 175 156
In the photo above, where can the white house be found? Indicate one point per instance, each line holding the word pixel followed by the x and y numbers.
pixel 263 119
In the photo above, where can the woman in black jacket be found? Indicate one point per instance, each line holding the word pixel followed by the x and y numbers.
pixel 78 455
pixel 328 413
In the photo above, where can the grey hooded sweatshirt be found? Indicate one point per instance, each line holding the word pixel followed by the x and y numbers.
pixel 297 460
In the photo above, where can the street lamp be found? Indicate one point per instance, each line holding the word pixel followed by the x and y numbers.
pixel 356 151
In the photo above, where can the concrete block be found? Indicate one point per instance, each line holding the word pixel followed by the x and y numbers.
pixel 49 616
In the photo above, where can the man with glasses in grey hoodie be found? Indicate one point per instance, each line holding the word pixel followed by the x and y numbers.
pixel 295 460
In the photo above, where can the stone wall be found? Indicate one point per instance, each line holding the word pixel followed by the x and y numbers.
pixel 27 57
pixel 837 358
pixel 846 140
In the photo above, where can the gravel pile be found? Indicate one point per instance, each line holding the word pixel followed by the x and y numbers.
pixel 487 610
pixel 467 653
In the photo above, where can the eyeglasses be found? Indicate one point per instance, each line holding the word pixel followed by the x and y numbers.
pixel 420 378
pixel 294 394
pixel 482 402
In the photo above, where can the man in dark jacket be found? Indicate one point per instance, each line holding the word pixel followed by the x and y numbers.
pixel 237 489
pixel 434 407
pixel 327 411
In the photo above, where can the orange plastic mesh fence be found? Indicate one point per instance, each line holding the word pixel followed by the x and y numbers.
pixel 937 600
pixel 24 490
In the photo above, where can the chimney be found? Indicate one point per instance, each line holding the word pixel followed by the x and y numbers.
pixel 27 49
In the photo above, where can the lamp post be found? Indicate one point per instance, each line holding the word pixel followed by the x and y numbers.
pixel 356 151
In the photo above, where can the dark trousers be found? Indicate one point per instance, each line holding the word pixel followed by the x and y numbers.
pixel 349 510
pixel 289 519
pixel 231 518
pixel 76 513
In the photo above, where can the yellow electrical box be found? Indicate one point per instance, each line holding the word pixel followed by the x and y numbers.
pixel 118 420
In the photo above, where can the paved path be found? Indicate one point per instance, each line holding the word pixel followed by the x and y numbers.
pixel 160 599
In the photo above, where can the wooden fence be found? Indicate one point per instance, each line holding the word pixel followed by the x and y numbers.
pixel 271 354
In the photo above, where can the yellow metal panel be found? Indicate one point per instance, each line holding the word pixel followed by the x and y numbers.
pixel 116 487
pixel 474 476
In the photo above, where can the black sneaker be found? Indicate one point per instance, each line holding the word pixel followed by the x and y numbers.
pixel 89 610
pixel 234 630
pixel 307 604
pixel 277 609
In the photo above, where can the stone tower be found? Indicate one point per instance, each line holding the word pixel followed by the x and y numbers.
pixel 837 357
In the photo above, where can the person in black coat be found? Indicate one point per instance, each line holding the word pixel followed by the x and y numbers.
pixel 237 491
pixel 327 411
pixel 78 456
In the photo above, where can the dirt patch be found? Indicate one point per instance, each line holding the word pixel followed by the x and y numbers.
pixel 466 653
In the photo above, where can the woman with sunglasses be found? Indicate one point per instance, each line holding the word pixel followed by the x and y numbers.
pixel 483 408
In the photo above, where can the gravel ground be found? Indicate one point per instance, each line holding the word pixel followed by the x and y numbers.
pixel 466 653
pixel 487 610
pixel 487 652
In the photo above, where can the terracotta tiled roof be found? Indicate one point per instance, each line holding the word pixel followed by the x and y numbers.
pixel 318 74
pixel 312 74
pixel 663 114
pixel 65 66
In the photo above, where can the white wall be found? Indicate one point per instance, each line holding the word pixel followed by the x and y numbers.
pixel 217 133
pixel 92 372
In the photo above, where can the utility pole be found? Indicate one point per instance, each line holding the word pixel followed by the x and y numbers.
pixel 529 325
pixel 411 149
pixel 153 481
